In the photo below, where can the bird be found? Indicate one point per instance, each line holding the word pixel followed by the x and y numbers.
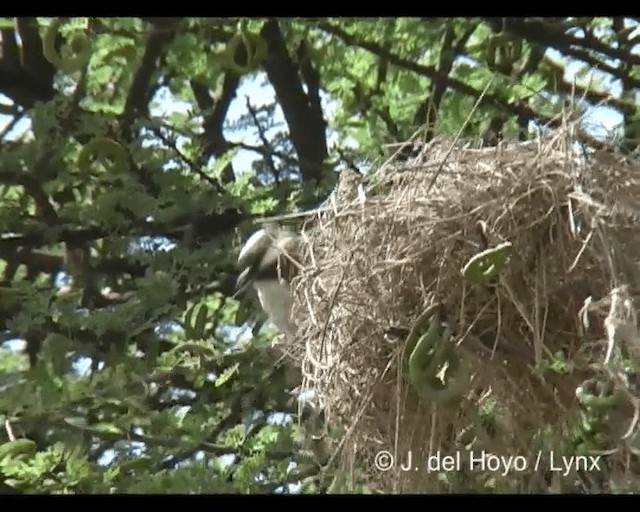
pixel 267 261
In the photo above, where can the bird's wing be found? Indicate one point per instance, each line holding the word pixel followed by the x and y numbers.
pixel 275 299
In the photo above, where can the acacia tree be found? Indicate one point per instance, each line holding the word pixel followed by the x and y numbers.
pixel 120 222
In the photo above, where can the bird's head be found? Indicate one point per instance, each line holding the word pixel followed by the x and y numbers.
pixel 265 255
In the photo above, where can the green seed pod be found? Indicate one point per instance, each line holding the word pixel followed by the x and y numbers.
pixel 597 395
pixel 17 447
pixel 255 46
pixel 103 148
pixel 503 51
pixel 79 44
pixel 485 266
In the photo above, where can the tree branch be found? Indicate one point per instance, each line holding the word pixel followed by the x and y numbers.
pixel 263 138
pixel 306 125
pixel 215 142
pixel 34 62
pixel 450 49
pixel 548 36
pixel 136 102
pixel 517 110
pixel 208 225
pixel 29 79
pixel 195 168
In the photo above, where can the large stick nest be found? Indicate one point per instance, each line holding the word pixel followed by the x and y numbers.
pixel 377 255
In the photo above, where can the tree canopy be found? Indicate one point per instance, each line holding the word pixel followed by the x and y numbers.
pixel 135 155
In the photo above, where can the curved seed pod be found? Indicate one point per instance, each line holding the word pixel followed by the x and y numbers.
pixel 103 148
pixel 503 51
pixel 255 46
pixel 517 49
pixel 595 441
pixel 80 45
pixel 432 351
pixel 17 447
pixel 596 395
pixel 420 326
pixel 511 49
pixel 490 52
pixel 485 266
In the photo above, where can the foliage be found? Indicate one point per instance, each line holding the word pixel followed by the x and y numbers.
pixel 118 265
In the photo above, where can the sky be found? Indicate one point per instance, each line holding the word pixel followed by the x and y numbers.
pixel 601 121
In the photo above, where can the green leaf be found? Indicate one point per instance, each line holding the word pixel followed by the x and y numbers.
pixel 107 428
pixel 77 421
pixel 226 375
pixel 143 462
pixel 188 326
pixel 201 321
pixel 222 162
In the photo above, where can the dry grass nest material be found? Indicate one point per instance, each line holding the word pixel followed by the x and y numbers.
pixel 376 258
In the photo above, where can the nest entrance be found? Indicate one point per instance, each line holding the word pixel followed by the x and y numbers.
pixel 377 256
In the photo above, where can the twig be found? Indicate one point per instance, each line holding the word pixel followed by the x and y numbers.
pixel 583 248
pixel 458 135
pixel 191 163
pixel 16 119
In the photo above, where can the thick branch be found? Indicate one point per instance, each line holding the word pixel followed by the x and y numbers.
pixel 215 142
pixel 10 61
pixel 517 110
pixel 29 79
pixel 312 79
pixel 136 102
pixel 306 124
pixel 33 187
pixel 548 36
pixel 33 59
pixel 449 51
pixel 555 36
pixel 205 225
